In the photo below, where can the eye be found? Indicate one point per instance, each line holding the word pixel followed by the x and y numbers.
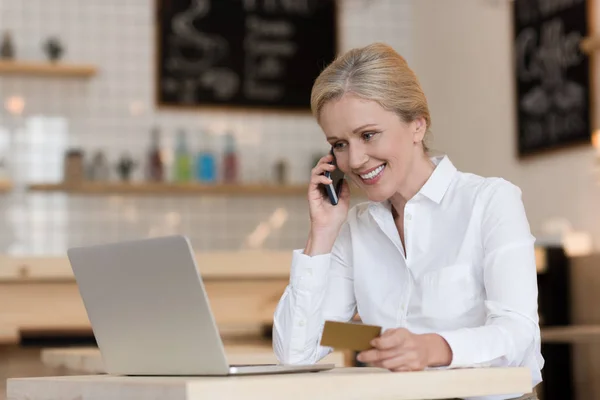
pixel 368 135
pixel 339 145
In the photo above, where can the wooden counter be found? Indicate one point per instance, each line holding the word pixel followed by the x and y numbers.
pixel 583 336
pixel 8 335
pixel 571 334
pixel 40 295
pixel 88 360
pixel 212 265
pixel 341 383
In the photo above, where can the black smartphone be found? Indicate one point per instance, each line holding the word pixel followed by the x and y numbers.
pixel 334 188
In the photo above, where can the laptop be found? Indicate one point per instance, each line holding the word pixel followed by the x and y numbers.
pixel 150 314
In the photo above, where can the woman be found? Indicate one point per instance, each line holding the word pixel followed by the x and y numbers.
pixel 442 260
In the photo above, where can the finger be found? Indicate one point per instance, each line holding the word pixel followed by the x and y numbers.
pixel 376 355
pixel 390 332
pixel 402 362
pixel 320 180
pixel 325 160
pixel 315 188
pixel 390 340
pixel 321 168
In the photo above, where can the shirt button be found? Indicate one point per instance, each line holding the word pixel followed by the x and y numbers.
pixel 301 322
pixel 309 272
pixel 408 217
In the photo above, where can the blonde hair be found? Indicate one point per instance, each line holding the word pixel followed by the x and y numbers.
pixel 378 73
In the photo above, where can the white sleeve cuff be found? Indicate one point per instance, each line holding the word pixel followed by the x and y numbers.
pixel 459 349
pixel 462 349
pixel 309 273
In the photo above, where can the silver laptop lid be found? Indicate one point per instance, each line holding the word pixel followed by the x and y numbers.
pixel 148 308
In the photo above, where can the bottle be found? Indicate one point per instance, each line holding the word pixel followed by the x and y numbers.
pixel 281 172
pixel 73 168
pixel 155 169
pixel 230 159
pixel 4 176
pixel 7 49
pixel 183 164
pixel 99 169
pixel 205 160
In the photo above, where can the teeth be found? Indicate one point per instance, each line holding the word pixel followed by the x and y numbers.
pixel 373 173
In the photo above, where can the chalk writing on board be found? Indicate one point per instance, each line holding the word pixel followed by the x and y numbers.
pixel 552 74
pixel 199 71
pixel 243 52
pixel 300 7
pixel 266 46
pixel 556 99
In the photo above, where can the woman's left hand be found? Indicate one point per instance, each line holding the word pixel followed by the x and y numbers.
pixel 401 350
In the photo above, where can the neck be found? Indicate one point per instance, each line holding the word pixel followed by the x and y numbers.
pixel 420 171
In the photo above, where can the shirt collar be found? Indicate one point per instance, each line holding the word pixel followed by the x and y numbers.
pixel 436 186
pixel 438 183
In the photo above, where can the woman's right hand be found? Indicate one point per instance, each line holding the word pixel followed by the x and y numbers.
pixel 325 218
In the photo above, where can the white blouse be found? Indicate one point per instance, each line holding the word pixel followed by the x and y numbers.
pixel 469 275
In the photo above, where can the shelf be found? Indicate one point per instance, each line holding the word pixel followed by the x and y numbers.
pixel 143 188
pixel 33 68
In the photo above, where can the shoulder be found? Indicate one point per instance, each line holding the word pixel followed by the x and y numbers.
pixel 497 202
pixel 486 190
pixel 487 198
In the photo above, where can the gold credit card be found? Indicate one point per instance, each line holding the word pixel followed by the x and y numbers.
pixel 349 335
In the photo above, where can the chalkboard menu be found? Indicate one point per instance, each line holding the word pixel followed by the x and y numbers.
pixel 553 76
pixel 242 53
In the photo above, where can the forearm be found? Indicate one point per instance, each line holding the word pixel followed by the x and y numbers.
pixel 296 328
pixel 320 288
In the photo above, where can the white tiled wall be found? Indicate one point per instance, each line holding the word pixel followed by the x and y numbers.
pixel 114 112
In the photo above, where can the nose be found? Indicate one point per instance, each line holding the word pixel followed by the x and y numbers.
pixel 357 157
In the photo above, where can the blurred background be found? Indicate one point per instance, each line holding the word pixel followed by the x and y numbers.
pixel 130 119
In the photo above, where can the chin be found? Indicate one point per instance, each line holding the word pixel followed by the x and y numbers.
pixel 377 195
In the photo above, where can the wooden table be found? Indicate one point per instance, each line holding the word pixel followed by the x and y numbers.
pixel 88 360
pixel 340 383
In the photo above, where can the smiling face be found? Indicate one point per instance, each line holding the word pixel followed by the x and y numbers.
pixel 372 146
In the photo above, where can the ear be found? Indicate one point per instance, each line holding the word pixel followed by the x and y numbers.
pixel 419 127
